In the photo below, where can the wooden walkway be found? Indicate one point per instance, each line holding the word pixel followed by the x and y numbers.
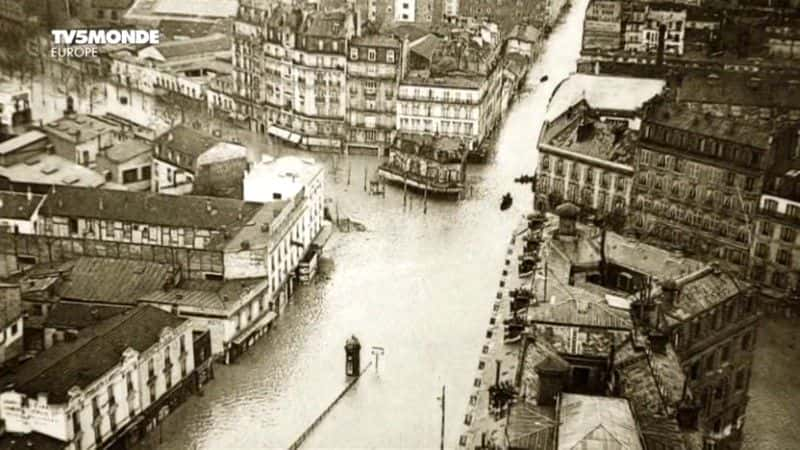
pixel 299 441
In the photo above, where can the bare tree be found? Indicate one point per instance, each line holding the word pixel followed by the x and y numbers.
pixel 174 107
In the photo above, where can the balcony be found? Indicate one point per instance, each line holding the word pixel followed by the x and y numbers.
pixel 783 217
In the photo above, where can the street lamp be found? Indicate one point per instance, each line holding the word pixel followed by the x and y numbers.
pixel 378 352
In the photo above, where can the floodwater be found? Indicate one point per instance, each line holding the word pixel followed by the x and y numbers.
pixel 418 284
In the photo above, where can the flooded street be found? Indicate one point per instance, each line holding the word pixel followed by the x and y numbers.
pixel 418 285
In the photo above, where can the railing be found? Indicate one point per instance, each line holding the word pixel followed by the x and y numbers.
pixel 299 441
pixel 779 215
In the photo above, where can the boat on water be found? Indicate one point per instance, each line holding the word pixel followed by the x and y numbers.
pixel 543 79
pixel 506 202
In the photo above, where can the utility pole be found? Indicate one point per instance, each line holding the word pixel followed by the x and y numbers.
pixel 442 401
pixel 377 351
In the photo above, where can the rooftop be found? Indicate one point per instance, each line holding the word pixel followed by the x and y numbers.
pixel 376 40
pixel 194 11
pixel 18 205
pixel 79 128
pixel 223 151
pixel 77 316
pixel 651 381
pixel 332 24
pixel 188 142
pixel 580 313
pixel 597 139
pixel 212 43
pixel 109 280
pixel 596 422
pixel 603 93
pixel 55 170
pixel 426 46
pixel 730 88
pixel 702 290
pixel 96 351
pixel 286 175
pixel 443 149
pixel 205 295
pixel 527 33
pixel 127 150
pixel 22 140
pixel 674 115
pixel 211 213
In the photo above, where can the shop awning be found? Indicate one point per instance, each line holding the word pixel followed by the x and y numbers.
pixel 254 327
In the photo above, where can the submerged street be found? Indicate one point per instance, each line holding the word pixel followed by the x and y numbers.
pixel 418 285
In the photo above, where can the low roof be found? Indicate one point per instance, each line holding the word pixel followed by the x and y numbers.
pixel 77 316
pixel 603 93
pixel 127 150
pixel 79 128
pixel 111 280
pixel 212 43
pixel 596 422
pixel 212 296
pixel 55 170
pixel 703 290
pixel 17 205
pixel 188 211
pixel 738 89
pixel 580 313
pixel 20 141
pixel 96 351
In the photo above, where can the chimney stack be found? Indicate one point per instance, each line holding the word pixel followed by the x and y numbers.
pixel 669 293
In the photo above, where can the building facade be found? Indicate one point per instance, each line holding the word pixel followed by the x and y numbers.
pixel 698 180
pixel 375 68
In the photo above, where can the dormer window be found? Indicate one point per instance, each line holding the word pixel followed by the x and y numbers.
pixel 354 53
pixel 371 54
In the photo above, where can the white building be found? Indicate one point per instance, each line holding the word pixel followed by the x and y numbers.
pixel 83 397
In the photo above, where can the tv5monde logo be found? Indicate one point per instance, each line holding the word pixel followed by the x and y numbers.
pixel 85 43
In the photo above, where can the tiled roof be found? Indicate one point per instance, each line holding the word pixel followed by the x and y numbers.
pixel 701 291
pixel 96 351
pixel 663 432
pixel 149 208
pixel 17 206
pixel 653 382
pixel 589 314
pixel 376 40
pixel 677 116
pixel 737 89
pixel 602 140
pixel 596 422
pixel 212 43
pixel 127 150
pixel 412 32
pixel 528 33
pixel 536 352
pixel 109 280
pixel 186 140
pixel 77 316
pixel 326 24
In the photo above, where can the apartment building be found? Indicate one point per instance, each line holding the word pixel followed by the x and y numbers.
pixel 294 79
pixel 698 181
pixel 375 67
pixel 109 386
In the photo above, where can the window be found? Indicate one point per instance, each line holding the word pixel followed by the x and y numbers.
pixel 726 353
pixel 766 228
pixel 784 257
pixel 793 211
pixel 730 178
pixel 390 56
pixel 73 225
pixel 354 53
pixel 146 174
pixel 371 54
pixel 76 423
pixel 741 379
pixel 788 234
pixel 747 341
pixel 129 176
pixel 770 205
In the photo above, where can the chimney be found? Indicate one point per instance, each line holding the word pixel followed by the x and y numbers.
pixel 688 413
pixel 669 293
pixel 658 341
pixel 29 195
pixel 208 206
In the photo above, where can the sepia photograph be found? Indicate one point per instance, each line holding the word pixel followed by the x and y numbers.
pixel 399 224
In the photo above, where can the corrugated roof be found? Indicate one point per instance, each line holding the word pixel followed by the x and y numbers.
pixel 217 296
pixel 108 280
pixel 96 351
pixel 149 208
pixel 572 312
pixel 592 422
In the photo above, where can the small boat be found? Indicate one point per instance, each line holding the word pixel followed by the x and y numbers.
pixel 543 79
pixel 506 202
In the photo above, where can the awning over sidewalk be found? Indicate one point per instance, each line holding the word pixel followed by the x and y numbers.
pixel 254 327
pixel 284 134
